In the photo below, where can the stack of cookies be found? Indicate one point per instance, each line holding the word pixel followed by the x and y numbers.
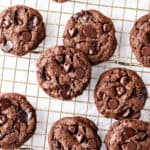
pixel 64 71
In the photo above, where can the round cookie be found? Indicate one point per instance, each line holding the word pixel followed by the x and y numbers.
pixel 17 120
pixel 93 33
pixel 120 93
pixel 21 30
pixel 61 1
pixel 128 134
pixel 73 133
pixel 140 40
pixel 63 72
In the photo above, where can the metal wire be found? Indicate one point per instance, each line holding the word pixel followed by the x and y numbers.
pixel 18 74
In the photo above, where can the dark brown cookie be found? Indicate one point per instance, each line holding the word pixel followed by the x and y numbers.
pixel 63 72
pixel 140 40
pixel 93 33
pixel 21 30
pixel 17 120
pixel 74 133
pixel 61 1
pixel 129 134
pixel 120 93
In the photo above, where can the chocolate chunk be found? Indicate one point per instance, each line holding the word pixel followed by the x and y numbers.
pixel 26 36
pixel 80 137
pixel 6 46
pixel 128 132
pixel 126 113
pixel 67 66
pixel 124 80
pixel 22 115
pixel 3 119
pixel 131 146
pixel 120 90
pixel 60 59
pixel 80 73
pixel 72 32
pixel 106 27
pixel 112 104
pixel 72 129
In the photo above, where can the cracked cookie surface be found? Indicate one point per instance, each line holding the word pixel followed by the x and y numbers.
pixel 120 93
pixel 129 134
pixel 93 33
pixel 63 72
pixel 17 120
pixel 21 30
pixel 74 133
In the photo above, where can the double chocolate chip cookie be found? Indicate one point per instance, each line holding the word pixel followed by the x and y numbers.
pixel 63 72
pixel 120 93
pixel 21 30
pixel 74 133
pixel 128 135
pixel 17 120
pixel 140 40
pixel 93 33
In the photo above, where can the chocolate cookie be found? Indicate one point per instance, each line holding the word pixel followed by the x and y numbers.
pixel 129 134
pixel 74 133
pixel 61 1
pixel 140 40
pixel 63 72
pixel 120 93
pixel 93 33
pixel 17 120
pixel 21 30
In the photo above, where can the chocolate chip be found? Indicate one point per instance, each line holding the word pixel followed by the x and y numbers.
pixel 126 113
pixel 35 21
pixel 106 27
pixel 128 132
pixel 26 36
pixel 67 66
pixel 83 19
pixel 120 90
pixel 72 32
pixel 146 51
pixel 89 31
pixel 131 146
pixel 141 93
pixel 4 104
pixel 60 59
pixel 6 23
pixel 124 80
pixel 22 116
pixel 56 145
pixel 72 129
pixel 80 73
pixel 80 137
pixel 6 46
pixel 93 48
pixel 113 104
pixel 2 119
pixel 64 90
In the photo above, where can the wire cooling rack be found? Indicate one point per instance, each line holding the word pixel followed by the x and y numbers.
pixel 18 74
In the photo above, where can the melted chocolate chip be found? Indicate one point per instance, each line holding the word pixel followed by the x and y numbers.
pixel 26 36
pixel 124 80
pixel 128 132
pixel 22 116
pixel 67 66
pixel 80 73
pixel 146 51
pixel 106 27
pixel 120 90
pixel 64 89
pixel 4 104
pixel 80 137
pixel 3 119
pixel 72 32
pixel 113 104
pixel 127 113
